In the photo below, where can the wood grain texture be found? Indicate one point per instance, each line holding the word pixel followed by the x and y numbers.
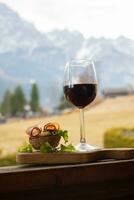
pixel 56 158
pixel 100 180
pixel 72 158
pixel 118 153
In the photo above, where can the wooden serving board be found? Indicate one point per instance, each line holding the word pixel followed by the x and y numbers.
pixel 118 153
pixel 77 157
pixel 56 158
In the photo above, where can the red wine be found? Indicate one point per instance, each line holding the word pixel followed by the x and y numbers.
pixel 80 95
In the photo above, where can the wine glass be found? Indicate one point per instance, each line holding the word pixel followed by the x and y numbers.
pixel 80 88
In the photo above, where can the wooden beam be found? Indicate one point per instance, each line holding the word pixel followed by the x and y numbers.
pixel 102 180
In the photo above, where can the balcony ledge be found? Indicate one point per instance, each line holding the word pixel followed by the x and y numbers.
pixel 100 180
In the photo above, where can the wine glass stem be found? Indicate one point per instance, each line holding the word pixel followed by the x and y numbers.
pixel 82 127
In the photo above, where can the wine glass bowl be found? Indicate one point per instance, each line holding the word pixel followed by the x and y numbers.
pixel 80 88
pixel 81 94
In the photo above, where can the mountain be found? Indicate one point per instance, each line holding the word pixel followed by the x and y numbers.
pixel 18 34
pixel 69 42
pixel 27 54
pixel 114 60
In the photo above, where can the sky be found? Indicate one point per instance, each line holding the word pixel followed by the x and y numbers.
pixel 98 18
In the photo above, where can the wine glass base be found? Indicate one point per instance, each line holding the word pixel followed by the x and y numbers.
pixel 84 147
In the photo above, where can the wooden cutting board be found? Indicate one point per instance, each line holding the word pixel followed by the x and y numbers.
pixel 77 157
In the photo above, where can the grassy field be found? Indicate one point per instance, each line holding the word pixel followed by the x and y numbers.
pixel 116 112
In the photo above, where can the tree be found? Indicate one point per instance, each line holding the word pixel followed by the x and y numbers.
pixel 18 101
pixel 63 104
pixel 34 102
pixel 6 104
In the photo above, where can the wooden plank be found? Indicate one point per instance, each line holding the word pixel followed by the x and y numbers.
pixel 118 153
pixel 102 180
pixel 71 158
pixel 58 176
pixel 102 191
pixel 56 158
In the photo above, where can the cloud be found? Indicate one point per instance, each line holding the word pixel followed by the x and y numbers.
pixel 92 18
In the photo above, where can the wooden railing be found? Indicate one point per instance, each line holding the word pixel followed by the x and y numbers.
pixel 101 180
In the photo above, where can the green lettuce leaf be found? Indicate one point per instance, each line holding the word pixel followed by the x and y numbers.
pixel 46 148
pixel 68 148
pixel 26 148
pixel 63 134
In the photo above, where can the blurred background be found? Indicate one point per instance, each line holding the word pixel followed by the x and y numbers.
pixel 37 38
